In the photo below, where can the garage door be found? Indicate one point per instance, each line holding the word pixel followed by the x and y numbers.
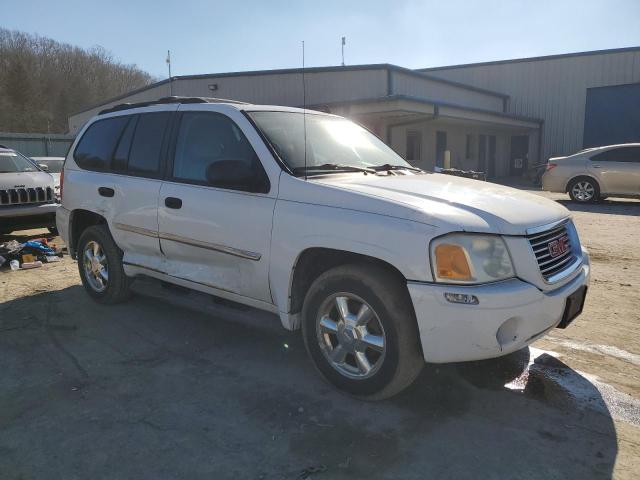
pixel 612 115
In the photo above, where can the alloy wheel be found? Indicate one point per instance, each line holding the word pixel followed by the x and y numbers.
pixel 96 268
pixel 351 335
pixel 583 191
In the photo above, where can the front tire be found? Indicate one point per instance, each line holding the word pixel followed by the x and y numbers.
pixel 359 329
pixel 100 266
pixel 584 190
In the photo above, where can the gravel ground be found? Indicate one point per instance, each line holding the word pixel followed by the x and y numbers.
pixel 174 385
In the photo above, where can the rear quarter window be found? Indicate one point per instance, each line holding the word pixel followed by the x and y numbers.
pixel 96 147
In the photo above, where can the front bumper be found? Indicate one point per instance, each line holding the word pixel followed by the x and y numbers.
pixel 16 211
pixel 509 316
pixel 28 216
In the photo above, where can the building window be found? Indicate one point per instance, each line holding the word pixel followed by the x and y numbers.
pixel 441 147
pixel 414 145
pixel 469 149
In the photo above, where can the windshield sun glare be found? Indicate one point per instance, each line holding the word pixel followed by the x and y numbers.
pixel 331 141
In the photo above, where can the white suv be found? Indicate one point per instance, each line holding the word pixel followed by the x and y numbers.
pixel 27 194
pixel 382 265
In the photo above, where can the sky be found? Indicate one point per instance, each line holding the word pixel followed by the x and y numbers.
pixel 237 35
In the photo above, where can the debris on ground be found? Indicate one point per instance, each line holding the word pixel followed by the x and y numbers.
pixel 29 265
pixel 30 254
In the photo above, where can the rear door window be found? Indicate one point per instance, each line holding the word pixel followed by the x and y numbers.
pixel 146 147
pixel 630 154
pixel 96 146
pixel 121 155
pixel 620 154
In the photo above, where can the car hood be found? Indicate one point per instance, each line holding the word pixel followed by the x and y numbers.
pixel 25 180
pixel 453 202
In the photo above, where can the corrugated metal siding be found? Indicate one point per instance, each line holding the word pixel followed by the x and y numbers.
pixel 37 144
pixel 404 84
pixel 271 89
pixel 554 89
pixel 286 89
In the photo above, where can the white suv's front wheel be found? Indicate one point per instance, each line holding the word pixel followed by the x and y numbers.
pixel 359 329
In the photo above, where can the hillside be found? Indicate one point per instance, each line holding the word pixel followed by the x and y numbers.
pixel 42 81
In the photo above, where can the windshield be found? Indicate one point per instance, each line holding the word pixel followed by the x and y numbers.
pixel 13 162
pixel 55 166
pixel 330 141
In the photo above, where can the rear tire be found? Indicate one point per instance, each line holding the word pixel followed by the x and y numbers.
pixel 100 266
pixel 584 190
pixel 360 330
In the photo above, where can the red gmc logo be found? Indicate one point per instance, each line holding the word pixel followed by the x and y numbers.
pixel 559 246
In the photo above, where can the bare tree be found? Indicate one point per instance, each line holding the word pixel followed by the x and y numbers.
pixel 43 81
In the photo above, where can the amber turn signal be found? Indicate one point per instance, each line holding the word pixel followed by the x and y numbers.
pixel 451 262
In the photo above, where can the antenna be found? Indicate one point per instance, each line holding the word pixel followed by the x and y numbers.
pixel 304 113
pixel 168 60
pixel 344 41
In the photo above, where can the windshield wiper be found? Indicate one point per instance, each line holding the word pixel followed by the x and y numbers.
pixel 328 167
pixel 388 166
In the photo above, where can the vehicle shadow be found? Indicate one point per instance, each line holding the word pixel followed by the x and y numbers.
pixel 25 236
pixel 153 389
pixel 618 206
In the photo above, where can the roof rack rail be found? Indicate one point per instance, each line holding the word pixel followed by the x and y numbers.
pixel 167 100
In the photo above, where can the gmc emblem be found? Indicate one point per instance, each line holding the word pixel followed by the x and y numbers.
pixel 559 246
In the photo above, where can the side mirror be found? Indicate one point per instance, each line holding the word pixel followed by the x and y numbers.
pixel 43 167
pixel 237 175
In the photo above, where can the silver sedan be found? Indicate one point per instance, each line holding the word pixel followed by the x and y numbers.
pixel 595 173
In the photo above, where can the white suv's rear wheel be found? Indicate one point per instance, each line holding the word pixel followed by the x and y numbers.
pixel 360 331
pixel 95 265
pixel 100 266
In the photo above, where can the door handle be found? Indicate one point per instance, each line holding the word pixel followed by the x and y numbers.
pixel 597 166
pixel 173 202
pixel 106 191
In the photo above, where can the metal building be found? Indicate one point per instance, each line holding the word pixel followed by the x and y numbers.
pixel 496 117
pixel 578 95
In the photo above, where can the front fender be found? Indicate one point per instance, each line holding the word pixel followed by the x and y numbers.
pixel 297 227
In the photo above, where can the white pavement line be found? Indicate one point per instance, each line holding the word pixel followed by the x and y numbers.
pixel 599 349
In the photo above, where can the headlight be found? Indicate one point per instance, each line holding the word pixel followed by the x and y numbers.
pixel 470 258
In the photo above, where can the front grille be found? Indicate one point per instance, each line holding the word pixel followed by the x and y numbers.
pixel 551 258
pixel 22 196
